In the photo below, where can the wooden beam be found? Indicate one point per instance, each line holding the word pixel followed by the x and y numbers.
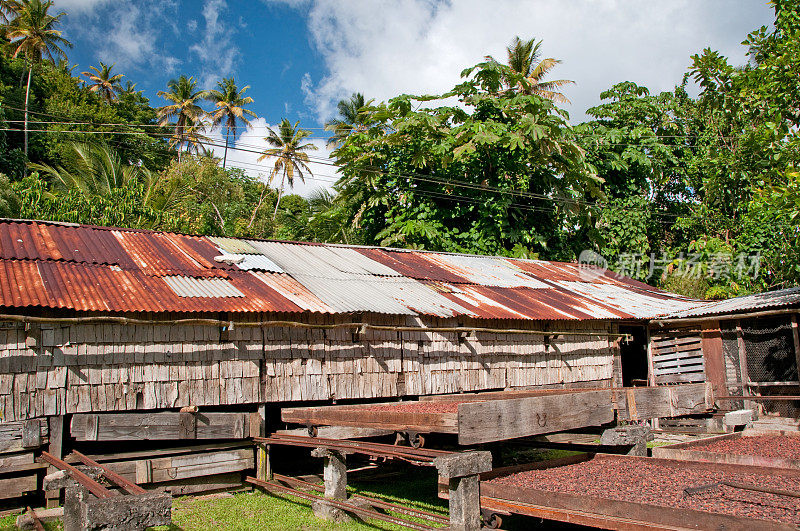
pixel 497 420
pixel 713 356
pixel 158 426
pixel 663 401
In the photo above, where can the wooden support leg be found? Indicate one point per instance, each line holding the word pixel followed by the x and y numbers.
pixel 56 449
pixel 335 476
pixel 462 472
pixel 258 428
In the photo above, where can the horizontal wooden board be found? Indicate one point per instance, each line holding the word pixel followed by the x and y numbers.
pixel 17 486
pixel 22 435
pixel 664 401
pixel 363 416
pixel 497 420
pixel 157 426
pixel 165 469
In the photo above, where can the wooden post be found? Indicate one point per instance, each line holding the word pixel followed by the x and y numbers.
pixel 651 373
pixel 743 365
pixel 796 336
pixel 335 478
pixel 55 448
pixel 462 472
pixel 258 428
pixel 711 341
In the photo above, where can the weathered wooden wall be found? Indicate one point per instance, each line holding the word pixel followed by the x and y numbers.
pixel 55 370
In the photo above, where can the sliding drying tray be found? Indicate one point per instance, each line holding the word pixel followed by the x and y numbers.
pixel 764 449
pixel 626 493
pixel 502 415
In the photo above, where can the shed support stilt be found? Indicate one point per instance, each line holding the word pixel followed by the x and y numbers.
pixel 335 477
pixel 462 472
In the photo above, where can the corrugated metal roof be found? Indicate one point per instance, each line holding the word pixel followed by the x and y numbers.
pixel 249 262
pixel 202 287
pixel 785 298
pixel 117 270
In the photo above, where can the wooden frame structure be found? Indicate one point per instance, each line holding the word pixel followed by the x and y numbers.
pixel 606 513
pixel 488 417
pixel 693 451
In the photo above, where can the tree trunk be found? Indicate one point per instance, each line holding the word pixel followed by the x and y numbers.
pixel 225 157
pixel 278 202
pixel 27 97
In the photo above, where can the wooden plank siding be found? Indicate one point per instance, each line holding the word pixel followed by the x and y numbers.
pixel 677 356
pixel 50 370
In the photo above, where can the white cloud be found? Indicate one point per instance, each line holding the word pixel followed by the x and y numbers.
pixel 80 6
pixel 216 51
pixel 133 33
pixel 418 46
pixel 248 147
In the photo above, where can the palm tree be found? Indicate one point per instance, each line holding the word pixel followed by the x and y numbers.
pixel 229 101
pixel 94 169
pixel 289 153
pixel 352 118
pixel 33 35
pixel 130 89
pixel 9 10
pixel 103 83
pixel 193 138
pixel 523 58
pixel 184 96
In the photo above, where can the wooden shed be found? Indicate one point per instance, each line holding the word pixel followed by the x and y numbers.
pixel 747 347
pixel 104 328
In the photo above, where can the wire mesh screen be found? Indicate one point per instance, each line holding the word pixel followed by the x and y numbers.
pixel 769 345
pixel 730 351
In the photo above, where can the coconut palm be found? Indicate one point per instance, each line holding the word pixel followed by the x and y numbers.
pixel 130 89
pixel 184 108
pixel 34 36
pixel 94 169
pixel 352 118
pixel 9 10
pixel 193 138
pixel 289 153
pixel 104 84
pixel 523 58
pixel 229 101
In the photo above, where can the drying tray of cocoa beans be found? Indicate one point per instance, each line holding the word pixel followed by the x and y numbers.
pixel 618 492
pixel 776 450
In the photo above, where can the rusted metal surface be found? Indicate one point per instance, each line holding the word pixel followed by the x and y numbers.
pixel 86 268
pixel 415 456
pixel 784 298
pixel 374 502
pixel 129 486
pixel 276 488
pixel 91 485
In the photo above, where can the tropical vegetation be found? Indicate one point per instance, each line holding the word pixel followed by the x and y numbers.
pixel 696 189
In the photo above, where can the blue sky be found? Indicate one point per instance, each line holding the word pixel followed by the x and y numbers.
pixel 301 56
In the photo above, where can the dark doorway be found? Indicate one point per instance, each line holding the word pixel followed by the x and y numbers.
pixel 634 356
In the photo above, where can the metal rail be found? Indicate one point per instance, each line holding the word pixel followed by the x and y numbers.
pixel 348 507
pixel 415 456
pixel 408 511
pixel 91 485
pixel 127 485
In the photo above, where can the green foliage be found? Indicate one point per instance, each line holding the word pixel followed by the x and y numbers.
pixel 496 172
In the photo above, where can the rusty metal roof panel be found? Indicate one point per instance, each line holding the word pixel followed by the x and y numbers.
pixel 293 290
pixel 784 298
pixel 637 303
pixel 202 287
pixel 487 270
pixel 106 269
